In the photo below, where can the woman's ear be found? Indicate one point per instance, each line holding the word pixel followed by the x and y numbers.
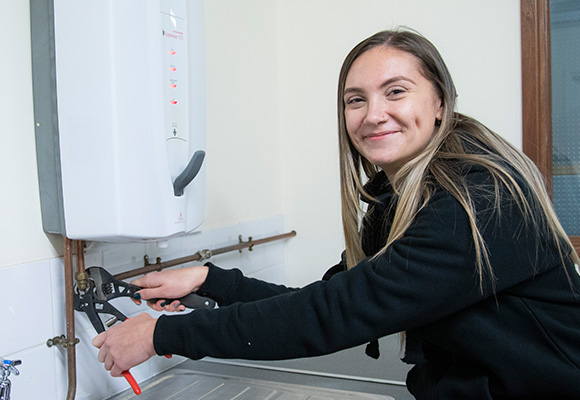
pixel 439 114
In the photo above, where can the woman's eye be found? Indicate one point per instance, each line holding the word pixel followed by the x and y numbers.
pixel 396 91
pixel 353 100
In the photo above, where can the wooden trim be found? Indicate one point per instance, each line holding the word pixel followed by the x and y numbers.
pixel 576 243
pixel 536 85
pixel 537 89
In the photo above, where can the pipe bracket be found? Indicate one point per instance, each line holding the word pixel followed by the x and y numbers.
pixel 250 243
pixel 62 341
pixel 205 254
pixel 158 262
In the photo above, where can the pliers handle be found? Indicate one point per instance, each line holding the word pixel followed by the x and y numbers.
pixel 104 287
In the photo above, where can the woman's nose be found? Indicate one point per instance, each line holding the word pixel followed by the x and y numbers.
pixel 377 112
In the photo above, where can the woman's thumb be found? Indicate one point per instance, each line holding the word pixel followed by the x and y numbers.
pixel 150 294
pixel 99 340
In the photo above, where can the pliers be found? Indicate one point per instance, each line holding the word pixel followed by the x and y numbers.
pixel 103 287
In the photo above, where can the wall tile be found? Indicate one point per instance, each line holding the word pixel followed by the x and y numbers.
pixel 26 306
pixel 92 378
pixel 266 255
pixel 60 371
pixel 94 253
pixel 171 251
pixel 274 274
pixel 37 378
pixel 198 241
pixel 82 323
pixel 58 296
pixel 122 257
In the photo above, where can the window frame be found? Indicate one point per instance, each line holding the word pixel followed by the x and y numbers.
pixel 537 89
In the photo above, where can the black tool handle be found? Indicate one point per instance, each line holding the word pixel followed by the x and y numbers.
pixel 193 301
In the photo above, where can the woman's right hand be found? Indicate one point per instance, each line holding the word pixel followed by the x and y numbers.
pixel 170 284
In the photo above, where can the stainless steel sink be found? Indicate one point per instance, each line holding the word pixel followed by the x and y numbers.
pixel 215 381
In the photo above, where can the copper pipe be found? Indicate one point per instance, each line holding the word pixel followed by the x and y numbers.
pixel 81 277
pixel 70 319
pixel 80 250
pixel 199 255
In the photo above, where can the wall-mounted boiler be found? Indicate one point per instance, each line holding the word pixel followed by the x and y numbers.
pixel 119 105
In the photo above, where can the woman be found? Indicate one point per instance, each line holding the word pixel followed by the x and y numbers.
pixel 459 248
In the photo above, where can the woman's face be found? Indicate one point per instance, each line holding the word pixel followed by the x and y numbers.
pixel 390 107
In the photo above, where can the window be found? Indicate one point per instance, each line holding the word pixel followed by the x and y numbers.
pixel 551 81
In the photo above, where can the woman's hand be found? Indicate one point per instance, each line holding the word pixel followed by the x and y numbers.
pixel 170 284
pixel 126 345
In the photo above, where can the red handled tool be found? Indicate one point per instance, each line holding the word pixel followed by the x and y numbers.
pixel 132 382
pixel 103 287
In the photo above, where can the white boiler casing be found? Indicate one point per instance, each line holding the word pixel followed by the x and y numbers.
pixel 119 98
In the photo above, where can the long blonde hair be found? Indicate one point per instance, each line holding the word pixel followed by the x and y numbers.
pixel 455 133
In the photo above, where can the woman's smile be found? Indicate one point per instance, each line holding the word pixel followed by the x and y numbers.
pixel 380 135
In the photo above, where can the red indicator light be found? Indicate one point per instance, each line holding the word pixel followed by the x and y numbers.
pixel 174 102
pixel 172 69
pixel 172 52
pixel 172 85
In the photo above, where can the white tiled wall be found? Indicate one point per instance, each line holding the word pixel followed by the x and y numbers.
pixel 32 307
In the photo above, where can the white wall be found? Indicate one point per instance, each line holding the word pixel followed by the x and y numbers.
pixel 243 141
pixel 21 237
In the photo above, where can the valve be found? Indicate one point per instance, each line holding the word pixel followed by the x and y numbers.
pixel 7 367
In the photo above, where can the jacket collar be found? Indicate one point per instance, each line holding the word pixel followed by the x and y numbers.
pixel 379 188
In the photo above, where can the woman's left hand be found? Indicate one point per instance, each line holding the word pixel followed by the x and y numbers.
pixel 170 284
pixel 126 345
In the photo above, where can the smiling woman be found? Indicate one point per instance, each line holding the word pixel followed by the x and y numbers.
pixel 458 246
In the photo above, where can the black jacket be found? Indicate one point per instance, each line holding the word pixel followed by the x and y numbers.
pixel 519 339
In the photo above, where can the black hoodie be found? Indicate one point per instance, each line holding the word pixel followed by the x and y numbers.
pixel 517 337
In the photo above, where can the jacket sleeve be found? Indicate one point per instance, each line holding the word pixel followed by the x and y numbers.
pixel 426 275
pixel 231 286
